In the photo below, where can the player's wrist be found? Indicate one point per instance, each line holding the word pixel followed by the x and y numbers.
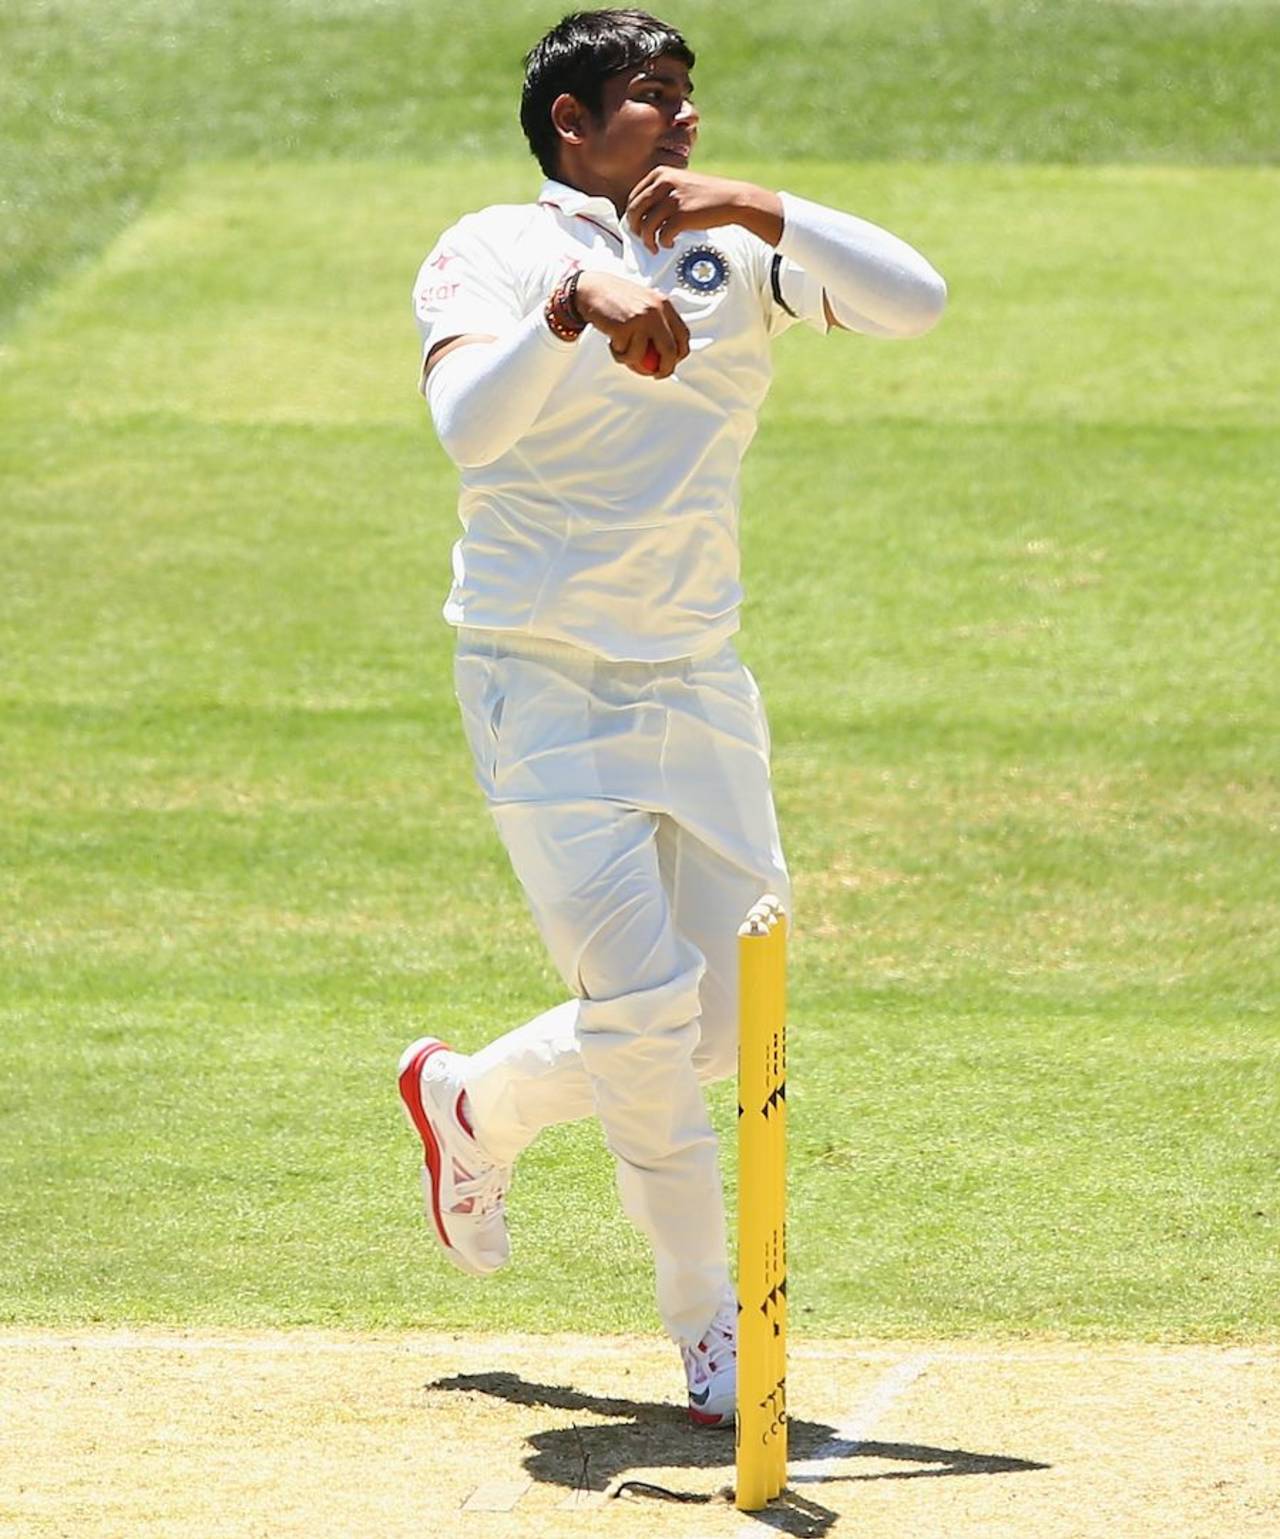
pixel 589 297
pixel 563 316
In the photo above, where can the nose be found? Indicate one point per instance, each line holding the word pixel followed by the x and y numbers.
pixel 688 115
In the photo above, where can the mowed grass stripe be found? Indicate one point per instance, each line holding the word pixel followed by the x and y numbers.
pixel 102 100
pixel 1008 603
pixel 279 295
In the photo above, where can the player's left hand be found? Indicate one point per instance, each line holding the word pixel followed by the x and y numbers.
pixel 669 201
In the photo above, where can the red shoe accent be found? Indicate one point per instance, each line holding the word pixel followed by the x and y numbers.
pixel 411 1095
pixel 702 1419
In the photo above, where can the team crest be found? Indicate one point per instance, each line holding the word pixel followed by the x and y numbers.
pixel 703 269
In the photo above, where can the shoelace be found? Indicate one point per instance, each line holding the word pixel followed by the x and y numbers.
pixel 719 1345
pixel 479 1195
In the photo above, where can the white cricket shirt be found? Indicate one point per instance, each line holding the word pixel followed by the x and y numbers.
pixel 612 523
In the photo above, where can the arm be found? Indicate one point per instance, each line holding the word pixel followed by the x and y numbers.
pixel 488 366
pixel 486 392
pixel 874 282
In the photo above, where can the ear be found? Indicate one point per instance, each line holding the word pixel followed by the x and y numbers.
pixel 568 117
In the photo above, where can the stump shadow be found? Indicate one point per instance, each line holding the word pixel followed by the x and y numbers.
pixel 650 1434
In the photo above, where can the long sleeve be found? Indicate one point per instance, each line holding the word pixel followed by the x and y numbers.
pixel 486 395
pixel 875 282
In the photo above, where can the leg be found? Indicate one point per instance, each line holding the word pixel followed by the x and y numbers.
pixel 569 751
pixel 721 850
pixel 533 1077
pixel 526 1080
pixel 591 872
pixel 717 855
pixel 710 897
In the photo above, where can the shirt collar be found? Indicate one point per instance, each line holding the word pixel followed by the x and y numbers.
pixel 572 201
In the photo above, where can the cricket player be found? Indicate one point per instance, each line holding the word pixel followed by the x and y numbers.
pixel 594 361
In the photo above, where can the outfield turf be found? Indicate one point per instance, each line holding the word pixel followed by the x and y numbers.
pixel 1012 604
pixel 101 98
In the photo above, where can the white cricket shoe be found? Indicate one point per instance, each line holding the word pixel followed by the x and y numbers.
pixel 711 1369
pixel 463 1190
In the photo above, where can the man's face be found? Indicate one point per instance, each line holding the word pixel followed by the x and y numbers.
pixel 647 119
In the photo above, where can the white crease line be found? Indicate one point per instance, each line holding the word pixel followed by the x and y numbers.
pixel 825 1461
pixel 497 1496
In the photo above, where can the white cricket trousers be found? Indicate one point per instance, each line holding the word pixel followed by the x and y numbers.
pixel 634 801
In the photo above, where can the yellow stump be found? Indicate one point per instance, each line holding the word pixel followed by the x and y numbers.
pixel 762 1193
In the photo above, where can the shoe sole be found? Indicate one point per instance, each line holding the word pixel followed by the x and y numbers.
pixel 712 1419
pixel 411 1062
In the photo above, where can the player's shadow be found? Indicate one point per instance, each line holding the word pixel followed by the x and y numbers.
pixel 647 1434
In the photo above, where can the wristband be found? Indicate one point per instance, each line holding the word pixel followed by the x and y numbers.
pixel 570 288
pixel 561 310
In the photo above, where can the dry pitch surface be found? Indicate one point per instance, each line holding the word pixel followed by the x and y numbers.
pixel 144 1434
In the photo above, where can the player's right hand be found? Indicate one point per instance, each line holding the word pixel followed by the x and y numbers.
pixel 634 319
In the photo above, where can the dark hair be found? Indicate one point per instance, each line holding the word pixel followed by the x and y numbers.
pixel 577 57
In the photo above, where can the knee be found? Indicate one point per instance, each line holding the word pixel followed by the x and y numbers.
pixel 648 1010
pixel 649 1020
pixel 637 1050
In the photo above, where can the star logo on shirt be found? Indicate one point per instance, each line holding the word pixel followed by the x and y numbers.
pixel 442 259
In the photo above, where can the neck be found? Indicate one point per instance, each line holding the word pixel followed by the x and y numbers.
pixel 594 186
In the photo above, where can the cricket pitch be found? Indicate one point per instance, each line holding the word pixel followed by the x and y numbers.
pixel 200 1435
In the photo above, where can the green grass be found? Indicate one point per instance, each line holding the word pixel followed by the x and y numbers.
pixel 100 99
pixel 1009 603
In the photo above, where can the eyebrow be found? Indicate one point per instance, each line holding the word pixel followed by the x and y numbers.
pixel 684 81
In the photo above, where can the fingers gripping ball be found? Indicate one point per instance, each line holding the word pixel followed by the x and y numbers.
pixel 649 363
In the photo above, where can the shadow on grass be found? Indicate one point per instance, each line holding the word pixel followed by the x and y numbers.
pixel 647 1434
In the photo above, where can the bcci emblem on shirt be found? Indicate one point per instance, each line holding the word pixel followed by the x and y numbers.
pixel 703 269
